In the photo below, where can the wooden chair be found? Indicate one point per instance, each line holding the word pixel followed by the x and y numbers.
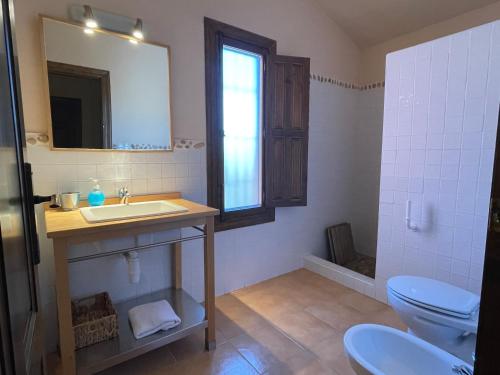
pixel 343 253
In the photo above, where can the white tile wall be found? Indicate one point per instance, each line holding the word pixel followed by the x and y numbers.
pixel 243 256
pixel 57 171
pixel 440 122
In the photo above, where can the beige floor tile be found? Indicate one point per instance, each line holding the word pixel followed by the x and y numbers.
pixel 304 328
pixel 302 365
pixel 309 278
pixel 291 324
pixel 260 357
pixel 336 315
pixel 235 317
pixel 290 293
pixel 279 343
pixel 267 348
pixel 224 360
pixel 330 352
pixel 272 303
pixel 341 365
pixel 303 282
pixel 188 347
pixel 150 363
pixel 231 328
pixel 361 303
pixel 387 317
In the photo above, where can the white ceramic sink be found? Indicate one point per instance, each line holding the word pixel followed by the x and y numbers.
pixel 378 350
pixel 114 212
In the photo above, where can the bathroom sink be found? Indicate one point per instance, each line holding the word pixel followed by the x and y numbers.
pixel 114 212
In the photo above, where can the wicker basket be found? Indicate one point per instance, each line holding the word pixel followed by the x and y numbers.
pixel 94 320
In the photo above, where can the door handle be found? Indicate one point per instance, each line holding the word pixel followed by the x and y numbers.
pixel 31 200
pixel 37 199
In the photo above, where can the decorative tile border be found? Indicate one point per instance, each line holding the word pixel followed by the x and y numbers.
pixel 37 139
pixel 42 139
pixel 347 85
pixel 372 86
pixel 188 143
pixel 139 146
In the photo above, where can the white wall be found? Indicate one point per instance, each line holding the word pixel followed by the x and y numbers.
pixel 367 150
pixel 440 123
pixel 138 74
pixel 143 173
pixel 373 58
pixel 299 28
pixel 243 256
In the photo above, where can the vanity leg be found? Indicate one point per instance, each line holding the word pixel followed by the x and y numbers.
pixel 177 265
pixel 66 338
pixel 209 284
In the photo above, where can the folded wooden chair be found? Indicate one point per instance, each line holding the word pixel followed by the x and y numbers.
pixel 343 253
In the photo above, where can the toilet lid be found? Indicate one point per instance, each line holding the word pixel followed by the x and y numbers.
pixel 435 295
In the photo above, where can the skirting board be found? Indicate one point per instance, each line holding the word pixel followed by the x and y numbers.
pixel 341 275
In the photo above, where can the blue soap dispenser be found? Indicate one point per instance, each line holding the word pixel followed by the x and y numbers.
pixel 96 196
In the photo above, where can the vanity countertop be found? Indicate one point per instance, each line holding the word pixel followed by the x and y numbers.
pixel 61 223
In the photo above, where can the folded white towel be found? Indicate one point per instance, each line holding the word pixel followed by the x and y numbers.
pixel 152 317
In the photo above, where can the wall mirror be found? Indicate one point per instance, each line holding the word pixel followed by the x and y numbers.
pixel 106 91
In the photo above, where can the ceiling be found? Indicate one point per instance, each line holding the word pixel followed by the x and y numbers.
pixel 369 22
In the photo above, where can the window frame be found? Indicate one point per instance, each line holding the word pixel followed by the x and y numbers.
pixel 218 34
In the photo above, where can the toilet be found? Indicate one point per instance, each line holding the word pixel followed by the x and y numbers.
pixel 441 314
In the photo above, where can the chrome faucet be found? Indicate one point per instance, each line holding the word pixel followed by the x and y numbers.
pixel 124 195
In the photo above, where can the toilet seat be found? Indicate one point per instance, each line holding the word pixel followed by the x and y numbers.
pixel 430 307
pixel 435 295
pixel 403 306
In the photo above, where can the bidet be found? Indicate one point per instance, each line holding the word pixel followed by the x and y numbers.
pixel 379 350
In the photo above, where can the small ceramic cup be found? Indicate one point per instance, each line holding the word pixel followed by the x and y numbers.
pixel 70 201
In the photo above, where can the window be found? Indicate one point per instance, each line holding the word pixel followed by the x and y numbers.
pixel 257 116
pixel 242 122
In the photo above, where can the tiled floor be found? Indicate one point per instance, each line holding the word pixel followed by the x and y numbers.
pixel 292 324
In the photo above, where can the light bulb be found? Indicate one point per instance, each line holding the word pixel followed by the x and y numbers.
pixel 133 41
pixel 88 16
pixel 91 24
pixel 88 31
pixel 138 34
pixel 137 31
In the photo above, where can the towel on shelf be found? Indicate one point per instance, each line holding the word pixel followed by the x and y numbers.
pixel 152 317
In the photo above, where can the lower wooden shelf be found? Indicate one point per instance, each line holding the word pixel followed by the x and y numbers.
pixel 101 356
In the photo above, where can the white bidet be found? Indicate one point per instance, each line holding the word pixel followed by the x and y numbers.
pixel 378 350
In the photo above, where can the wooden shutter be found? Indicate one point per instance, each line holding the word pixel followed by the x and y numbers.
pixel 287 133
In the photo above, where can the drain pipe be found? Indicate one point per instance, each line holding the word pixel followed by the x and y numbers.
pixel 134 266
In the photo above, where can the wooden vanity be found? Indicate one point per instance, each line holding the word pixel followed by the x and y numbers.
pixel 70 228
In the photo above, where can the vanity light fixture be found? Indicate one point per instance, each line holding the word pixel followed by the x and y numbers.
pixel 137 31
pixel 88 16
